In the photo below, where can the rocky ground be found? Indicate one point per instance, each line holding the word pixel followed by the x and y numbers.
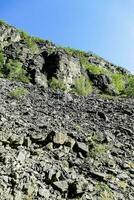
pixel 56 145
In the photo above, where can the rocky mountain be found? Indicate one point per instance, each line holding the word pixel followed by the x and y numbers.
pixel 66 122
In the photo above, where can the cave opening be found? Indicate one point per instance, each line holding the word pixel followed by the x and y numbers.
pixel 51 64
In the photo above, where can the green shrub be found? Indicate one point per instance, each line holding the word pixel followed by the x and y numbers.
pixel 118 81
pixel 92 67
pixel 78 53
pixel 96 69
pixel 13 70
pixel 30 41
pixel 57 84
pixel 37 39
pixel 18 93
pixel 74 52
pixel 129 90
pixel 83 86
pixel 2 62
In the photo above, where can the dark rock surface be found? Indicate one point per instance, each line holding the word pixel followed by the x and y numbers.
pixel 65 147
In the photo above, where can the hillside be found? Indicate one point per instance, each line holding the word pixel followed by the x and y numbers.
pixel 66 123
pixel 47 65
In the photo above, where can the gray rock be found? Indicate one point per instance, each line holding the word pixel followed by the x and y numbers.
pixel 122 176
pixel 22 156
pixel 60 138
pixel 61 185
pixel 43 192
pixel 81 147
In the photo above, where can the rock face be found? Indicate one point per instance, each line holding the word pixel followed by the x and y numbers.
pixel 55 144
pixel 64 148
pixel 43 61
pixel 63 67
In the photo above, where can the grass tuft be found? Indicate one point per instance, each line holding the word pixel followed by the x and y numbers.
pixel 18 93
pixel 83 86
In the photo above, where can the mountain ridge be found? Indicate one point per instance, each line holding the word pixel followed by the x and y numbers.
pixel 49 65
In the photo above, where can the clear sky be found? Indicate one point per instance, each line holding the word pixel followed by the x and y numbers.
pixel 105 27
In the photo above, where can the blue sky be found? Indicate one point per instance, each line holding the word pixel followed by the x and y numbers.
pixel 105 27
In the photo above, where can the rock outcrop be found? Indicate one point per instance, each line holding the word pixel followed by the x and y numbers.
pixel 44 61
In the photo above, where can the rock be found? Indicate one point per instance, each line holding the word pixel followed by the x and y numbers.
pixel 70 142
pixel 122 176
pixel 100 80
pixel 65 67
pixel 22 156
pixel 18 195
pixel 60 138
pixel 41 80
pixel 81 147
pixel 76 188
pixel 43 192
pixel 61 185
pixel 103 116
pixel 98 175
pixel 50 146
pixel 132 182
pixel 16 140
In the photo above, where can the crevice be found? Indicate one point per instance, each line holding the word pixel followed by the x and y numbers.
pixel 51 64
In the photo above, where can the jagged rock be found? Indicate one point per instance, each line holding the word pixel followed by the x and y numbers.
pixel 70 142
pixel 77 188
pixel 122 176
pixel 81 147
pixel 8 35
pixel 22 156
pixel 63 67
pixel 43 192
pixel 60 138
pixel 16 140
pixel 61 185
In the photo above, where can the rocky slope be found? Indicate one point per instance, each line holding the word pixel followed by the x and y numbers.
pixel 48 65
pixel 55 144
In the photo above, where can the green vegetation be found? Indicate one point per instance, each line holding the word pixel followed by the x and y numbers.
pixel 95 69
pixel 118 80
pixel 92 67
pixel 57 84
pixel 75 52
pixel 2 22
pixel 13 70
pixel 129 90
pixel 37 39
pixel 107 96
pixel 104 191
pixel 122 184
pixel 30 41
pixel 97 148
pixel 40 40
pixel 2 62
pixel 82 86
pixel 18 93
